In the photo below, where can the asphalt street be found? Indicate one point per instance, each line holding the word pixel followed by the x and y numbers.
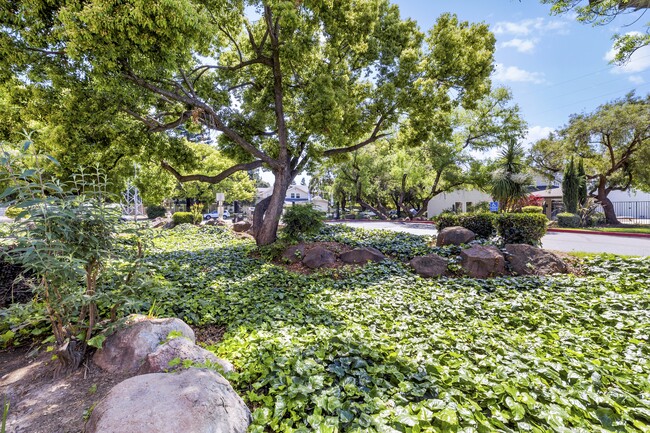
pixel 566 242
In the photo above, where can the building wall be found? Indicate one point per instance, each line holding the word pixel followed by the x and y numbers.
pixel 448 200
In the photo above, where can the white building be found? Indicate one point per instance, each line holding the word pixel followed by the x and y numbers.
pixel 459 201
pixel 296 194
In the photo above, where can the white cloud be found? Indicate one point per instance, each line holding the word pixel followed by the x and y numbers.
pixel 521 45
pixel 529 26
pixel 639 61
pixel 537 132
pixel 515 74
pixel 636 79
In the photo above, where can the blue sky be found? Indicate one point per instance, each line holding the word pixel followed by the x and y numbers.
pixel 554 65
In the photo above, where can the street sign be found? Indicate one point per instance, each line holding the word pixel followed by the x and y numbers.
pixel 494 206
pixel 220 197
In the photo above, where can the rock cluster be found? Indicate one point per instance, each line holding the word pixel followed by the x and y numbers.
pixel 162 398
pixel 318 256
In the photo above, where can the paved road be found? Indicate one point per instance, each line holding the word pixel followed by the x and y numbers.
pixel 552 241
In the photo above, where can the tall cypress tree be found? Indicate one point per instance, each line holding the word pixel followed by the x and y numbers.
pixel 582 185
pixel 570 188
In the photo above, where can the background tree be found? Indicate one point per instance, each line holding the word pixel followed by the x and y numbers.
pixel 601 12
pixel 582 184
pixel 611 141
pixel 286 83
pixel 510 180
pixel 570 188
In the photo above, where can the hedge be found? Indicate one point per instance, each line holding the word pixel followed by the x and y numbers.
pixel 482 224
pixel 521 228
pixel 156 212
pixel 566 219
pixel 532 209
pixel 182 218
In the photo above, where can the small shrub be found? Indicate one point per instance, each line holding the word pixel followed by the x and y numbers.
pixel 302 220
pixel 521 228
pixel 196 210
pixel 532 209
pixel 156 211
pixel 13 212
pixel 566 219
pixel 182 218
pixel 482 224
pixel 446 219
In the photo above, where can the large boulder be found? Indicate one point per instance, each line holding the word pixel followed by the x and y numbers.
pixel 241 226
pixel 214 222
pixel 193 401
pixel 429 266
pixel 318 257
pixel 360 256
pixel 528 260
pixel 179 350
pixel 160 222
pixel 454 236
pixel 483 261
pixel 294 253
pixel 127 348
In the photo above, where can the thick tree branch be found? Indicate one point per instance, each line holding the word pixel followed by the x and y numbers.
pixel 357 146
pixel 210 179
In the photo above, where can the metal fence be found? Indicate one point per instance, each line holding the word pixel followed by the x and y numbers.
pixel 631 212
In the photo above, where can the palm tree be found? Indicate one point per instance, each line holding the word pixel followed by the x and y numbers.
pixel 510 180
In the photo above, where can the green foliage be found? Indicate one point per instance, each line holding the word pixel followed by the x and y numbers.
pixel 379 349
pixel 583 194
pixel 155 211
pixel 510 179
pixel 568 219
pixel 571 188
pixel 521 228
pixel 532 209
pixel 182 218
pixel 446 219
pixel 197 213
pixel 302 220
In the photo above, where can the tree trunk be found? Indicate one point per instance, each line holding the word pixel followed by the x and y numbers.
pixel 268 212
pixel 605 202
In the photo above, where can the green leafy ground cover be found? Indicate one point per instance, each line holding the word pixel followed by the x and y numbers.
pixel 380 349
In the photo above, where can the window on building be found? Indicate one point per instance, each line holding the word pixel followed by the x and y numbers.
pixel 293 195
pixel 297 195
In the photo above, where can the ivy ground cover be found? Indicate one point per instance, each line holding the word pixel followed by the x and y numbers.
pixel 380 349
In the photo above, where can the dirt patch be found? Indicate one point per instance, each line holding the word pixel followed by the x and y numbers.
pixel 209 335
pixel 39 403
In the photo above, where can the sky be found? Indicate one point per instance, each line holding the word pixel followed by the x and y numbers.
pixel 555 66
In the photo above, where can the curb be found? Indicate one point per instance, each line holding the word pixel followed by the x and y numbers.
pixel 381 221
pixel 589 232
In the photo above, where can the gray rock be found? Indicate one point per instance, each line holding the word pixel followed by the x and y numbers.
pixel 294 253
pixel 454 236
pixel 214 222
pixel 127 348
pixel 241 226
pixel 318 257
pixel 362 256
pixel 192 401
pixel 184 350
pixel 528 260
pixel 429 266
pixel 483 261
pixel 160 222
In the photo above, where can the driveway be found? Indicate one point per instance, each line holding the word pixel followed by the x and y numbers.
pixel 566 242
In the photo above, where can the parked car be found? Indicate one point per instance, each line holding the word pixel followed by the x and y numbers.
pixel 215 214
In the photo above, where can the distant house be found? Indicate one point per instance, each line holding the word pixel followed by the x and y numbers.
pixel 296 194
pixel 460 200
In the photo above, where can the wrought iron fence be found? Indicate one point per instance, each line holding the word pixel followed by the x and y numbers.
pixel 631 212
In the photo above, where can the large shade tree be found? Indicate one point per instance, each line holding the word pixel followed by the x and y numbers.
pixel 613 142
pixel 284 83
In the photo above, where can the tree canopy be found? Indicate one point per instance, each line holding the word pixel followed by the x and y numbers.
pixel 283 83
pixel 612 141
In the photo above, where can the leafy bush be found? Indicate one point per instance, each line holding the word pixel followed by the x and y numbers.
pixel 156 211
pixel 183 218
pixel 482 224
pixel 566 219
pixel 532 209
pixel 197 213
pixel 302 220
pixel 13 212
pixel 521 228
pixel 446 219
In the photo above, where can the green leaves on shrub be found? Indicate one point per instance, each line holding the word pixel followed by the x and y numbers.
pixel 482 224
pixel 566 219
pixel 155 211
pixel 532 209
pixel 182 218
pixel 302 220
pixel 521 228
pixel 13 212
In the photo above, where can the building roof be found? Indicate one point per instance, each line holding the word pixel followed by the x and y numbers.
pixel 549 193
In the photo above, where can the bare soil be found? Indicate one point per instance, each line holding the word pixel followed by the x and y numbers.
pixel 41 403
